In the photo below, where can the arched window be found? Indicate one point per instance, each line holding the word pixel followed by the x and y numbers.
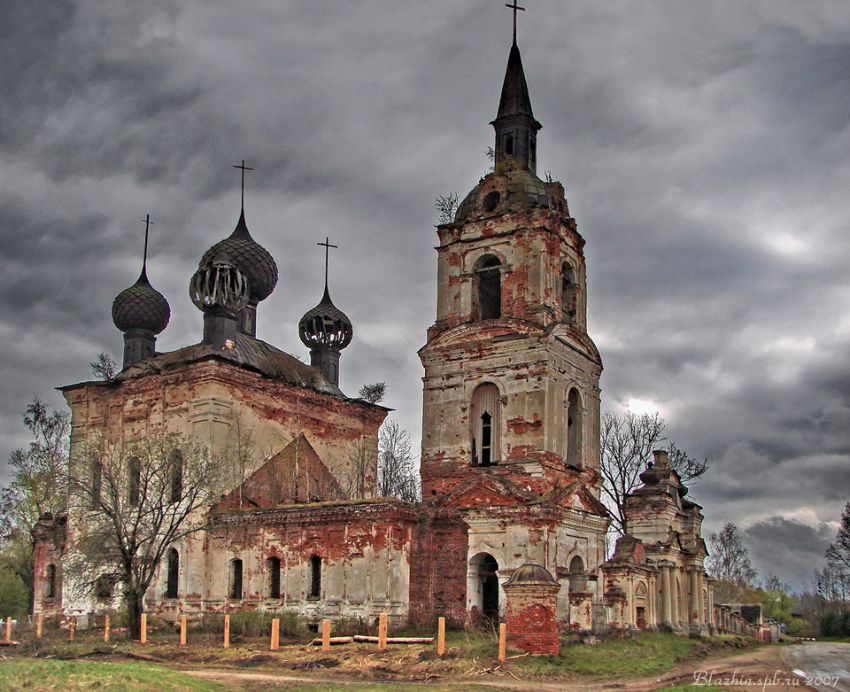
pixel 134 468
pixel 578 579
pixel 574 429
pixel 488 288
pixel 236 578
pixel 315 576
pixel 173 574
pixel 50 582
pixel 273 565
pixel 484 420
pixel 176 475
pixel 569 293
pixel 509 144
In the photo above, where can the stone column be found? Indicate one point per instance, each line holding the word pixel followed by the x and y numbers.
pixel 694 600
pixel 666 596
pixel 675 597
pixel 703 611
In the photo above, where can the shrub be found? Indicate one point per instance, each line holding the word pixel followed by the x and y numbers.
pixel 14 598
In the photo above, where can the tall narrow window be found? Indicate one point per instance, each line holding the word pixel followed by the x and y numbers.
pixel 569 293
pixel 532 149
pixel 173 574
pixel 236 578
pixel 134 469
pixel 484 420
pixel 176 475
pixel 96 482
pixel 50 582
pixel 574 429
pixel 274 577
pixel 488 285
pixel 315 576
pixel 509 145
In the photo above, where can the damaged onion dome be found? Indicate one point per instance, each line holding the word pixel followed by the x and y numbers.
pixel 325 325
pixel 141 307
pixel 219 284
pixel 249 257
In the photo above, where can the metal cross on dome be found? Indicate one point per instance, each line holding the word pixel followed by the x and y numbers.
pixel 148 223
pixel 327 245
pixel 515 7
pixel 243 168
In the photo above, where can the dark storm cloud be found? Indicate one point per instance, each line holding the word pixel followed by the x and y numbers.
pixel 703 146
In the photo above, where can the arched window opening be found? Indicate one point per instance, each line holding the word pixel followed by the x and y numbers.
pixel 488 293
pixel 236 578
pixel 176 475
pixel 569 293
pixel 574 429
pixel 96 485
pixel 315 576
pixel 135 472
pixel 509 145
pixel 173 573
pixel 578 578
pixel 640 606
pixel 484 419
pixel 273 565
pixel 483 585
pixel 50 582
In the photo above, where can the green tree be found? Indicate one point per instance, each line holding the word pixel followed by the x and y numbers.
pixel 14 595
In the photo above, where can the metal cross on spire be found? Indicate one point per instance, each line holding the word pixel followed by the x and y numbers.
pixel 148 224
pixel 327 245
pixel 515 7
pixel 243 168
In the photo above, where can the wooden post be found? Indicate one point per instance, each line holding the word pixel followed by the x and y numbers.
pixel 72 627
pixel 275 643
pixel 39 625
pixel 503 641
pixel 227 631
pixel 382 632
pixel 106 628
pixel 441 636
pixel 143 635
pixel 183 629
pixel 8 628
pixel 326 635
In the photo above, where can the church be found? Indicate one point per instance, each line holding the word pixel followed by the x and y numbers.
pixel 510 438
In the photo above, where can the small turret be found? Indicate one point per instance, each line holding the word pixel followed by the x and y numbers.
pixel 221 292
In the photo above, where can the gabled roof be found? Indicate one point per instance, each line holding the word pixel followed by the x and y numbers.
pixel 576 496
pixel 495 489
pixel 296 474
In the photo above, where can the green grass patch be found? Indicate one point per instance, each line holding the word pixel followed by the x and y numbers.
pixel 51 675
pixel 647 654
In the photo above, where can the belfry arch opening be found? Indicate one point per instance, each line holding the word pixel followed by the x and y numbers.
pixel 483 586
pixel 485 421
pixel 487 298
pixel 578 578
pixel 574 429
pixel 569 294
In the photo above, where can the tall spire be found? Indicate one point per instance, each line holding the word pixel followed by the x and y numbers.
pixel 515 125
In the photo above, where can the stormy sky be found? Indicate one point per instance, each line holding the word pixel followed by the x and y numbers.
pixel 704 146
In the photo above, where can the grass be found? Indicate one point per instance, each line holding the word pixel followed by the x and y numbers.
pixel 51 675
pixel 649 654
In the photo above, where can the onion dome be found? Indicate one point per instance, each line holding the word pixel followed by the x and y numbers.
pixel 325 326
pixel 249 257
pixel 141 307
pixel 219 284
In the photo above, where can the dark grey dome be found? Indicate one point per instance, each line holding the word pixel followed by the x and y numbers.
pixel 325 325
pixel 141 307
pixel 508 190
pixel 249 257
pixel 532 573
pixel 219 285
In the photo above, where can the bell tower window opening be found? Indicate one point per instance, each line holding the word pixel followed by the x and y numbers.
pixel 488 288
pixel 569 293
pixel 509 144
pixel 135 471
pixel 574 429
pixel 485 425
pixel 532 150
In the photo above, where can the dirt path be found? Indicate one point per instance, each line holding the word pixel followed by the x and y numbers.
pixel 746 671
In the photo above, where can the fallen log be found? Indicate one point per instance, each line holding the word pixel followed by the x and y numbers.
pixel 394 640
pixel 334 640
pixel 4 642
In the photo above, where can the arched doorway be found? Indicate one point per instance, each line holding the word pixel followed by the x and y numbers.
pixel 483 586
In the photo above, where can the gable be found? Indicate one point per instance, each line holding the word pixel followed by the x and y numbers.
pixel 296 474
pixel 486 490
pixel 577 496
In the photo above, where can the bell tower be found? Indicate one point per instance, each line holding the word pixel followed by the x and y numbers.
pixel 511 385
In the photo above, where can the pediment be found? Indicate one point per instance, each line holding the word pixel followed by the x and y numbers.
pixel 486 490
pixel 576 496
pixel 487 330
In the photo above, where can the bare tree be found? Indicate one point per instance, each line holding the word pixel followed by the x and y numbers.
pixel 446 206
pixel 104 366
pixel 373 393
pixel 358 479
pixel 838 553
pixel 626 445
pixel 729 563
pixel 132 502
pixel 397 475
